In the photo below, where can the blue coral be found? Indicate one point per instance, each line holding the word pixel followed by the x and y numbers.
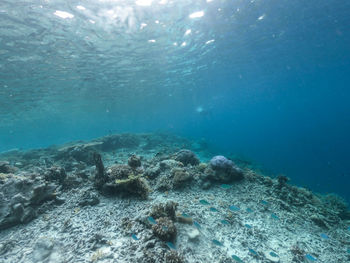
pixel 221 162
pixel 223 170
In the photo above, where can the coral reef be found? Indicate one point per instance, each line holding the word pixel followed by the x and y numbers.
pixel 180 177
pixel 56 173
pixel 172 174
pixel 119 171
pixel 122 179
pixel 187 157
pixel 185 211
pixel 220 169
pixel 167 209
pixel 165 229
pixel 6 168
pixel 100 176
pixel 20 199
pixel 117 141
pixel 134 161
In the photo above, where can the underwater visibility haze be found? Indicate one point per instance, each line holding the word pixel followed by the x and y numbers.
pixel 265 83
pixel 267 80
pixel 264 79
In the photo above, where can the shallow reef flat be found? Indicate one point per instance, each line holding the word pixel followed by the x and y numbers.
pixel 159 198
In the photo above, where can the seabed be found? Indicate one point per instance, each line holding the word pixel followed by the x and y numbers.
pixel 159 198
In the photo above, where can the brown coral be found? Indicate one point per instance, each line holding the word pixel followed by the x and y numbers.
pixel 167 209
pixel 165 229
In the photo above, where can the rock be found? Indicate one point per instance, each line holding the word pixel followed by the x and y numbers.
pixel 186 157
pixel 153 171
pixel 122 179
pixel 272 256
pixel 6 168
pixel 100 176
pixel 78 152
pixel 42 193
pixel 20 198
pixel 119 171
pixel 134 185
pixel 60 200
pixel 180 177
pixel 201 167
pixel 42 250
pixel 169 164
pixel 118 141
pixel 193 234
pixel 56 173
pixel 7 246
pixel 167 171
pixel 134 161
pixel 83 154
pixel 164 183
pixel 222 170
pixel 282 180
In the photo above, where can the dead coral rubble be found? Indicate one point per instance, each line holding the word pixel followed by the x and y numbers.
pixel 145 233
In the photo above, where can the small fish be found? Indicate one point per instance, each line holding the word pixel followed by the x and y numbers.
pixel 248 226
pixel 249 210
pixel 225 222
pixel 234 208
pixel 204 202
pixel 310 258
pixel 264 202
pixel 217 242
pixel 213 209
pixel 171 245
pixel 185 215
pixel 197 225
pixel 273 254
pixel 133 236
pixel 225 186
pixel 237 259
pixel 324 236
pixel 274 216
pixel 252 251
pixel 151 220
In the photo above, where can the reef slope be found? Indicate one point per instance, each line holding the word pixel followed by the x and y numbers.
pixel 159 198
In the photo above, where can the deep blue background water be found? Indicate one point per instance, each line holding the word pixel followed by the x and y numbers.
pixel 273 85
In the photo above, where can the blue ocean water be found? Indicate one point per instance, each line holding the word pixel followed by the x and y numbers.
pixel 265 80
